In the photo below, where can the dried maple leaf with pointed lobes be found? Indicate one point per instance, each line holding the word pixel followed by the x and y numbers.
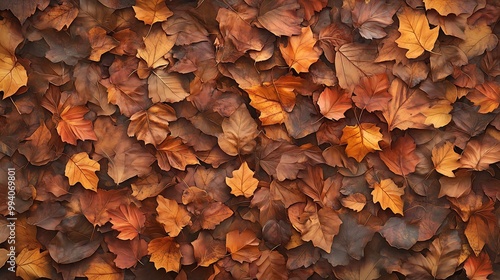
pixel 478 267
pixel 151 11
pixel 271 265
pixel 446 7
pixel 416 35
pixel 12 74
pixel 355 201
pixel 334 102
pixel 318 226
pixel 243 246
pixel 486 96
pixel 371 92
pixel 156 45
pixel 238 133
pixel 445 159
pixel 208 250
pixel 311 6
pixel 280 17
pixel 128 252
pixel 478 39
pixel 372 17
pixel 274 98
pixel 128 220
pixel 31 264
pixel 438 114
pixel 165 253
pixel 172 215
pixel 480 153
pixel 173 153
pixel 151 125
pixel 361 139
pixel 388 194
pixel 56 17
pixel 401 158
pixel 300 52
pixel 100 43
pixel 242 182
pixel 80 168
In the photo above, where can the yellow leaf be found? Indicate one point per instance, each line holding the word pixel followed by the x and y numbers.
pixel 151 11
pixel 361 139
pixel 445 159
pixel 388 194
pixel 242 182
pixel 300 52
pixel 156 45
pixel 80 168
pixel 333 103
pixel 31 264
pixel 446 7
pixel 12 73
pixel 416 35
pixel 165 252
pixel 439 114
pixel 173 217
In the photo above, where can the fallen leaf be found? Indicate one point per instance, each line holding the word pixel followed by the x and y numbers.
pixel 128 252
pixel 151 126
pixel 100 43
pixel 173 216
pixel 57 17
pixel 243 246
pixel 445 7
pixel 156 45
pixel 372 17
pixel 242 182
pixel 361 139
pixel 355 201
pixel 31 264
pixel 300 52
pixel 401 158
pixel 486 96
pixel 151 12
pixel 80 168
pixel 478 267
pixel 165 253
pixel 280 17
pixel 478 39
pixel 445 159
pixel 208 250
pixel 128 220
pixel 479 154
pixel 271 265
pixel 388 194
pixel 333 103
pixel 371 92
pixel 239 132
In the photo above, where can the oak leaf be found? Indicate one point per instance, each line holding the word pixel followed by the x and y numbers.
pixel 371 92
pixel 173 216
pixel 445 159
pixel 446 7
pixel 361 139
pixel 80 168
pixel 280 17
pixel 401 158
pixel 151 11
pixel 128 220
pixel 31 264
pixel 300 52
pixel 151 125
pixel 416 35
pixel 372 17
pixel 388 194
pixel 478 267
pixel 238 133
pixel 243 246
pixel 165 253
pixel 333 103
pixel 242 182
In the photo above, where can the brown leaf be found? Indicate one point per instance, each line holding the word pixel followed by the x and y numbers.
pixel 239 132
pixel 31 264
pixel 243 246
pixel 371 92
pixel 242 182
pixel 486 96
pixel 300 52
pixel 445 8
pixel 172 215
pixel 280 17
pixel 80 168
pixel 372 17
pixel 100 43
pixel 333 103
pixel 56 17
pixel 165 253
pixel 173 153
pixel 208 250
pixel 12 74
pixel 128 220
pixel 103 267
pixel 151 126
pixel 401 158
pixel 151 12
pixel 271 266
pixel 128 252
pixel 311 6
pixel 478 267
pixel 355 201
pixel 479 154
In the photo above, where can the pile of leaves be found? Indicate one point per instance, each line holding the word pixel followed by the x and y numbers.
pixel 251 139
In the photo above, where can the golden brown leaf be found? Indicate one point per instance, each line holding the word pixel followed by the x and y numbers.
pixel 56 17
pixel 238 133
pixel 301 52
pixel 151 11
pixel 416 35
pixel 243 246
pixel 486 96
pixel 173 216
pixel 371 17
pixel 478 39
pixel 80 168
pixel 242 182
pixel 156 45
pixel 280 17
pixel 355 201
pixel 12 73
pixel 371 92
pixel 480 153
pixel 208 250
pixel 100 43
pixel 445 159
pixel 165 253
pixel 128 220
pixel 31 264
pixel 388 194
pixel 361 139
pixel 333 103
pixel 446 7
pixel 439 114
pixel 401 158
pixel 173 153
pixel 151 125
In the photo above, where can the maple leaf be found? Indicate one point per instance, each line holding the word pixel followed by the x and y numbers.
pixel 165 253
pixel 31 264
pixel 333 103
pixel 173 153
pixel 446 7
pixel 371 17
pixel 238 133
pixel 128 220
pixel 151 125
pixel 300 52
pixel 173 216
pixel 208 250
pixel 151 11
pixel 280 17
pixel 478 39
pixel 128 252
pixel 318 226
pixel 445 159
pixel 480 153
pixel 156 45
pixel 416 36
pixel 371 92
pixel 80 168
pixel 72 125
pixel 274 98
pixel 388 194
pixel 486 96
pixel 401 158
pixel 243 246
pixel 56 17
pixel 242 182
pixel 361 139
pixel 478 267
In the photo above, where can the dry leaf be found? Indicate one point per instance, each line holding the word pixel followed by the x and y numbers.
pixel 173 216
pixel 388 194
pixel 238 133
pixel 152 11
pixel 242 182
pixel 416 35
pixel 361 139
pixel 300 52
pixel 165 253
pixel 445 159
pixel 81 169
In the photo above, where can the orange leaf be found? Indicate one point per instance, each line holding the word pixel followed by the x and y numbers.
pixel 156 45
pixel 128 220
pixel 272 265
pixel 388 194
pixel 31 264
pixel 103 268
pixel 208 250
pixel 416 35
pixel 151 125
pixel 100 43
pixel 311 6
pixel 173 216
pixel 486 96
pixel 151 11
pixel 361 139
pixel 80 168
pixel 333 103
pixel 445 159
pixel 242 182
pixel 173 153
pixel 73 125
pixel 355 201
pixel 478 267
pixel 300 52
pixel 371 93
pixel 446 7
pixel 165 252
pixel 401 158
pixel 243 246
